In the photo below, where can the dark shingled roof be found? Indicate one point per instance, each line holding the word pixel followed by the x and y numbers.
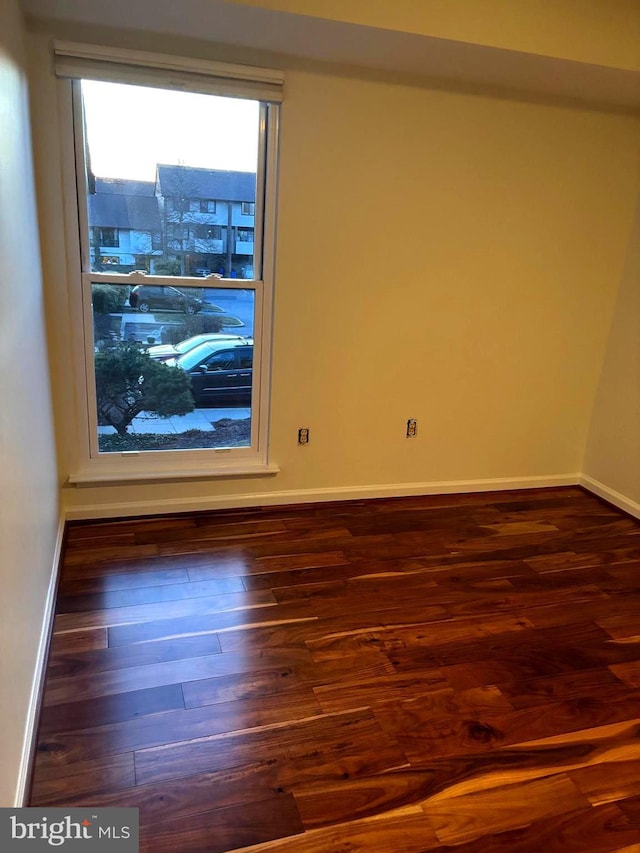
pixel 206 183
pixel 115 210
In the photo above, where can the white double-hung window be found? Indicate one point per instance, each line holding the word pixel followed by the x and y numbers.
pixel 170 322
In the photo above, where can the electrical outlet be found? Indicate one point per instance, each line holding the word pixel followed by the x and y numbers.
pixel 303 435
pixel 412 427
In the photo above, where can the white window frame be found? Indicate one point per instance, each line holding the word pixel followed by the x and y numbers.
pixel 92 467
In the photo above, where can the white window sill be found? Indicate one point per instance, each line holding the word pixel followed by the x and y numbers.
pixel 113 477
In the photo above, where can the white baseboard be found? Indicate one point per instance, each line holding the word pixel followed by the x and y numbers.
pixel 608 494
pixel 173 505
pixel 39 673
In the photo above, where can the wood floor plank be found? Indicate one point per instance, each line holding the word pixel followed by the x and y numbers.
pixel 333 600
pixel 76 602
pixel 175 727
pixel 258 544
pixel 516 528
pixel 245 530
pixel 567 685
pixel 422 635
pixel 187 796
pixel 139 613
pixel 231 560
pixel 87 544
pixel 318 739
pixel 374 691
pixel 595 830
pixel 79 641
pixel 252 711
pixel 109 553
pixel 421 733
pixel 528 653
pixel 609 782
pixel 269 565
pixel 444 567
pixel 592 608
pixel 622 625
pixel 402 833
pixel 207 623
pixel 83 713
pixel 106 583
pixel 106 529
pixel 224 829
pixel 93 661
pixel 457 820
pixel 145 676
pixel 85 779
pixel 631 809
pixel 570 561
pixel 628 671
pixel 317 574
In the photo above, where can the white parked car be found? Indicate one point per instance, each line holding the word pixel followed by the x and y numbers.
pixel 163 352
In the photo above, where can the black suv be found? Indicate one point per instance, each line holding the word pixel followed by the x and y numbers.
pixel 153 297
pixel 221 372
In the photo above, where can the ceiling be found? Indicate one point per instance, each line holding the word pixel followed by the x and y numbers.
pixel 301 37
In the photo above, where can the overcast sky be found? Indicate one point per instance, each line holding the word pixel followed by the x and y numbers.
pixel 131 128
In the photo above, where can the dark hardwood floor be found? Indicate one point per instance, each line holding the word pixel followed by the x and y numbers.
pixel 392 676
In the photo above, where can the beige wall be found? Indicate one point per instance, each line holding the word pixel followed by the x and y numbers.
pixel 613 450
pixel 603 32
pixel 443 256
pixel 28 487
pixel 471 260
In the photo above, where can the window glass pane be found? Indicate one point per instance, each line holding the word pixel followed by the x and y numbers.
pixel 172 182
pixel 245 355
pixel 153 347
pixel 221 361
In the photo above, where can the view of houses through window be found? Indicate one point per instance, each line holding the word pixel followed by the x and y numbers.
pixel 173 361
pixel 189 221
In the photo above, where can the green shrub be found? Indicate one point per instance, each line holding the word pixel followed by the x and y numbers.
pixel 108 298
pixel 129 382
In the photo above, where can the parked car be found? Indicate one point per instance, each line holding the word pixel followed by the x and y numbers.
pixel 154 297
pixel 221 372
pixel 163 352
